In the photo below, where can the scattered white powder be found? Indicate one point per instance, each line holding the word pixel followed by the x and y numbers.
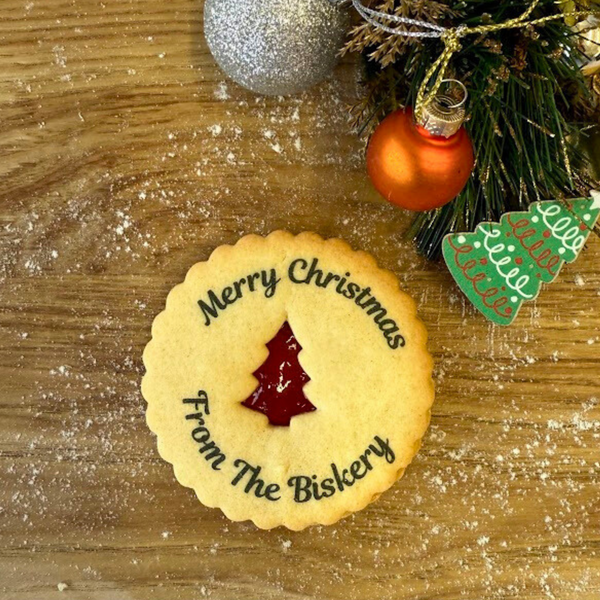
pixel 215 129
pixel 221 93
pixel 512 475
pixel 60 58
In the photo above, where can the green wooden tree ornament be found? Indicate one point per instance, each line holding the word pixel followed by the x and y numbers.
pixel 501 265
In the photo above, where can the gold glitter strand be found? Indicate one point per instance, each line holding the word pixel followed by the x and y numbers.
pixel 567 161
pixel 450 37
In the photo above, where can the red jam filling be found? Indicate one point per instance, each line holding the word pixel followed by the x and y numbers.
pixel 281 378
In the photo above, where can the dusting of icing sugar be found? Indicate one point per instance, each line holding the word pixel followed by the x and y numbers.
pixel 512 478
pixel 221 91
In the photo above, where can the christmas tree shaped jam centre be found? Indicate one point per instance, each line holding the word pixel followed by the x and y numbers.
pixel 279 394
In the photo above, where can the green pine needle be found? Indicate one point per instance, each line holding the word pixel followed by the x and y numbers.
pixel 523 86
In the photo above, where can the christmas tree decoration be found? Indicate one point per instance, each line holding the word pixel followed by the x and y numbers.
pixel 500 266
pixel 275 47
pixel 421 166
pixel 528 97
pixel 281 378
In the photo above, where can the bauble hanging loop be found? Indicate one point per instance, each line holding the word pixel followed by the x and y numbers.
pixel 445 113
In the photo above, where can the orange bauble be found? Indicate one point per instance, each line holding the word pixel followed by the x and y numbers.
pixel 414 169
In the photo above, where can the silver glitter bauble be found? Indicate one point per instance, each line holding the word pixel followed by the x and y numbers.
pixel 275 47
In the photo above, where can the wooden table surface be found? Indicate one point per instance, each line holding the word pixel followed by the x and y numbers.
pixel 127 157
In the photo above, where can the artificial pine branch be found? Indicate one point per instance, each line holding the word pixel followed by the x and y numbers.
pixel 528 101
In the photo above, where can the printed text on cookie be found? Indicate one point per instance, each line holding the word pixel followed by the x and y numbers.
pixel 249 478
pixel 303 271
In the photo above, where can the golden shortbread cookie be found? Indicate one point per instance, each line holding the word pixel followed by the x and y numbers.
pixel 366 378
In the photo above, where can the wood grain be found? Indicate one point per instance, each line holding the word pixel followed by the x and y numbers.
pixel 126 157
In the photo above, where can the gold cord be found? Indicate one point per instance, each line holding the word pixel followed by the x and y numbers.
pixel 451 38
